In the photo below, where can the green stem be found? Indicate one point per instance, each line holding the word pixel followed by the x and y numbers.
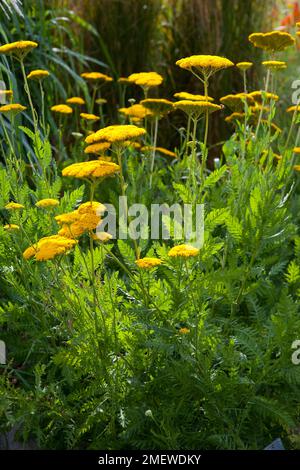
pixel 154 149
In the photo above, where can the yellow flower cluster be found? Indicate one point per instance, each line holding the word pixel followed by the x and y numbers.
pixel 115 134
pixel 258 96
pixel 148 263
pixel 89 117
pixel 158 107
pixel 162 150
pixel 98 148
pixel 44 203
pixel 84 219
pixel 237 102
pixel 244 65
pixel 207 65
pixel 183 251
pixel 38 74
pixel 196 108
pixel 62 109
pixel 91 170
pixel 272 41
pixel 49 247
pixel 146 79
pixel 75 100
pixel 11 227
pixel 96 77
pixel 183 95
pixel 274 65
pixel 18 48
pixel 12 109
pixel 13 206
pixel 137 111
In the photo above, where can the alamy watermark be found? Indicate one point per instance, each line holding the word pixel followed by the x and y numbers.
pixel 159 222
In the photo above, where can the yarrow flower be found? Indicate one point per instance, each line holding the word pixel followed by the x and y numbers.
pixel 272 41
pixel 115 134
pixel 62 109
pixel 12 109
pixel 75 100
pixel 162 150
pixel 96 77
pixel 136 111
pixel 183 95
pixel 49 247
pixel 196 108
pixel 293 108
pixel 103 237
pixel 98 148
pixel 146 80
pixel 296 149
pixel 13 206
pixel 237 102
pixel 38 74
pixel 6 93
pixel 258 96
pixel 274 65
pixel 206 65
pixel 183 251
pixel 47 203
pixel 244 65
pixel 148 263
pixel 19 48
pixel 84 219
pixel 158 107
pixel 91 170
pixel 11 227
pixel 184 331
pixel 89 117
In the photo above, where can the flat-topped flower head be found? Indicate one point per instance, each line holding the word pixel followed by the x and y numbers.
pixel 75 100
pixel 98 148
pixel 116 134
pixel 272 41
pixel 136 111
pixel 62 109
pixel 97 77
pixel 274 65
pixel 12 109
pixel 296 149
pixel 11 227
pixel 196 108
pixel 19 49
pixel 48 248
pixel 6 93
pixel 11 206
pixel 183 251
pixel 84 219
pixel 161 150
pixel 158 106
pixel 259 96
pixel 206 65
pixel 38 74
pixel 103 237
pixel 236 116
pixel 237 102
pixel 244 65
pixel 48 202
pixel 89 117
pixel 148 263
pixel 183 95
pixel 146 80
pixel 294 108
pixel 91 170
pixel 101 101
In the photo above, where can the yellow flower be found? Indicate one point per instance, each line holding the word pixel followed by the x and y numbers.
pixel 296 167
pixel 207 65
pixel 14 206
pixel 296 149
pixel 183 251
pixel 258 96
pixel 101 101
pixel 196 108
pixel 298 24
pixel 89 117
pixel 148 263
pixel 162 150
pixel 10 227
pixel 62 109
pixel 184 331
pixel 235 117
pixel 97 149
pixel 38 74
pixel 136 111
pixel 158 107
pixel 96 77
pixel 47 203
pixel 12 109
pixel 85 218
pixel 272 41
pixel 146 79
pixel 91 170
pixel 183 95
pixel 115 134
pixel 293 108
pixel 18 48
pixel 244 65
pixel 49 247
pixel 75 100
pixel 274 65
pixel 237 102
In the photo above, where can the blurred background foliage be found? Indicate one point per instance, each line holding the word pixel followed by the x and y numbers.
pixel 120 37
